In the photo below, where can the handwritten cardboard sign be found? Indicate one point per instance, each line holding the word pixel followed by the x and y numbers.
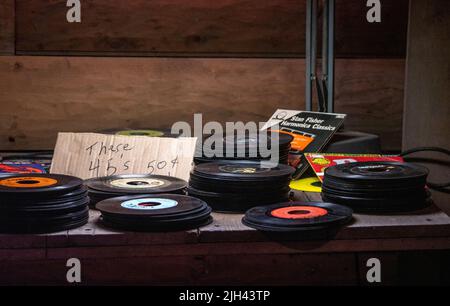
pixel 88 155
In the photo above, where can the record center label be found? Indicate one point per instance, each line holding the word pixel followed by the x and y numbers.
pixel 374 169
pixel 28 182
pixel 137 183
pixel 149 204
pixel 242 169
pixel 299 212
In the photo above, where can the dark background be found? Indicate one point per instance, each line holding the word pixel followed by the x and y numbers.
pixel 147 63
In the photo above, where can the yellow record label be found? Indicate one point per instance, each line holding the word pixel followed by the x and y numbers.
pixel 309 184
pixel 28 182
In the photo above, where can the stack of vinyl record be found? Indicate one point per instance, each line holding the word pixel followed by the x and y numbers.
pixel 164 212
pixel 377 186
pixel 106 187
pixel 42 203
pixel 235 186
pixel 297 217
pixel 243 147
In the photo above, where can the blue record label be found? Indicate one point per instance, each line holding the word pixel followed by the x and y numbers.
pixel 149 203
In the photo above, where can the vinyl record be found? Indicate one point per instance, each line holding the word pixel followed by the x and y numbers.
pixel 377 186
pixel 297 216
pixel 387 173
pixel 243 170
pixel 308 184
pixel 254 140
pixel 38 184
pixel 37 226
pixel 136 184
pixel 149 205
pixel 42 203
pixel 154 212
pixel 42 208
pixel 241 146
pixel 235 186
pixel 386 204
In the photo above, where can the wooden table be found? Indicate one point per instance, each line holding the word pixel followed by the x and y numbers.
pixel 412 248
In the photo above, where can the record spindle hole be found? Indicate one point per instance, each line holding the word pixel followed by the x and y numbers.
pixel 137 183
pixel 28 182
pixel 378 169
pixel 149 204
pixel 138 133
pixel 299 212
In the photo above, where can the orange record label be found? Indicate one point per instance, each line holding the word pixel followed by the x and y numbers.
pixel 300 141
pixel 299 212
pixel 28 182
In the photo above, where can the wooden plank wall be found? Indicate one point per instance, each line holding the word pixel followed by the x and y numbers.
pixel 7 28
pixel 149 63
pixel 427 92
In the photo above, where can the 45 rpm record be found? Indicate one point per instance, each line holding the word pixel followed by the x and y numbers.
pixel 297 216
pixel 38 183
pixel 243 170
pixel 389 172
pixel 40 203
pixel 154 212
pixel 376 186
pixel 149 205
pixel 136 184
pixel 308 184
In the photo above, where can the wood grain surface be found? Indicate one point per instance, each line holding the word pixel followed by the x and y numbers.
pixel 203 28
pixel 7 27
pixel 41 96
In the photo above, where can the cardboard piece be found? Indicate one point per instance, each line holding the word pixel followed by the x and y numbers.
pixel 88 155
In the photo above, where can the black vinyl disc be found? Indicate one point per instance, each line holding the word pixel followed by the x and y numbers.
pixel 136 184
pixel 37 184
pixel 377 186
pixel 154 212
pixel 241 146
pixel 379 172
pixel 386 204
pixel 45 208
pixel 297 215
pixel 149 205
pixel 162 220
pixel 42 203
pixel 36 202
pixel 268 228
pixel 243 170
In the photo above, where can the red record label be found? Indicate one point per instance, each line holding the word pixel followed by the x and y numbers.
pixel 299 212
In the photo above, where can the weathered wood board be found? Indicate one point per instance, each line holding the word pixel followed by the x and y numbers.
pixel 41 96
pixel 203 28
pixel 7 27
